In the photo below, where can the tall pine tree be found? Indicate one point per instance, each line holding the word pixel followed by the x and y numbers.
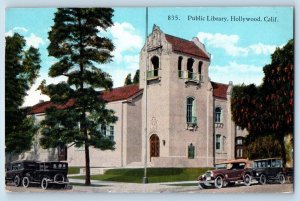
pixel 21 70
pixel 75 40
pixel 136 78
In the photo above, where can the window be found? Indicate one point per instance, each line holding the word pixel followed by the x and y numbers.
pixel 218 142
pixel 111 133
pixel 200 67
pixel 190 63
pixel 218 115
pixel 239 140
pixel 239 153
pixel 108 131
pixel 190 111
pixel 155 65
pixel 191 151
pixel 180 72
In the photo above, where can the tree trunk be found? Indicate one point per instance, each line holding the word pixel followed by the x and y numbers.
pixel 87 164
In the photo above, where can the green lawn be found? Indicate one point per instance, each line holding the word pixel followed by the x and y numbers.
pixel 73 170
pixel 154 175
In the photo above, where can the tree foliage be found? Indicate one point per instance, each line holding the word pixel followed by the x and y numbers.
pixel 269 108
pixel 76 41
pixel 136 78
pixel 21 70
pixel 128 80
pixel 262 147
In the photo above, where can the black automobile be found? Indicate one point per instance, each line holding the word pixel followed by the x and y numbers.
pixel 16 171
pixel 48 173
pixel 267 170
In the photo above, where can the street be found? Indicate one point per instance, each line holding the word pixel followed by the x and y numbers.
pixel 181 187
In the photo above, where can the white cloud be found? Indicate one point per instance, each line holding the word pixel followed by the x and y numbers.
pixel 34 40
pixel 260 48
pixel 238 73
pixel 9 33
pixel 14 30
pixel 226 42
pixel 22 29
pixel 230 44
pixel 34 96
pixel 125 39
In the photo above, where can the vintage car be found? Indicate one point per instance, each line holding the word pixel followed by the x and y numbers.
pixel 226 173
pixel 268 170
pixel 16 171
pixel 48 173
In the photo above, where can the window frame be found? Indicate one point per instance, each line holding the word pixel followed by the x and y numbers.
pixel 218 115
pixel 191 110
pixel 218 148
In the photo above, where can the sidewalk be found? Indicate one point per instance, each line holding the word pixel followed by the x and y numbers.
pixel 121 187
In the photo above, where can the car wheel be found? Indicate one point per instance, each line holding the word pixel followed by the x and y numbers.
pixel 262 179
pixel 202 186
pixel 25 182
pixel 281 178
pixel 17 180
pixel 44 183
pixel 59 178
pixel 219 182
pixel 247 180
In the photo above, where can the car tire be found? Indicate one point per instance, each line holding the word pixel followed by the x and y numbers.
pixel 219 182
pixel 247 179
pixel 59 178
pixel 25 182
pixel 17 180
pixel 281 178
pixel 262 179
pixel 44 183
pixel 202 186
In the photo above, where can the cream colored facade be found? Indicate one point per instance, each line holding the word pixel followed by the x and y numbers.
pixel 180 113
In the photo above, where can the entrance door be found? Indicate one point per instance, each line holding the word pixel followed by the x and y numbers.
pixel 154 146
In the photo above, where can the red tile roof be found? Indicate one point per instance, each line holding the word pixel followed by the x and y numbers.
pixel 120 93
pixel 185 46
pixel 219 90
pixel 116 94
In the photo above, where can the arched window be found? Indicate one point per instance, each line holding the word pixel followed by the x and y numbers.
pixel 218 113
pixel 200 67
pixel 190 111
pixel 155 65
pixel 180 72
pixel 190 63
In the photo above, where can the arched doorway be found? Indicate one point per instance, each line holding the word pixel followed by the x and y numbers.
pixel 154 146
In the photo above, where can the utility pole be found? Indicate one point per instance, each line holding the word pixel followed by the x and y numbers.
pixel 145 179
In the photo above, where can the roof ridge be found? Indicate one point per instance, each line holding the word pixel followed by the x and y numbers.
pixel 179 38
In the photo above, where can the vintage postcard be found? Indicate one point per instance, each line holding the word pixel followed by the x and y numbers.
pixel 149 99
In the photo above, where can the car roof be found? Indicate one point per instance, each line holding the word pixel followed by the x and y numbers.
pixel 263 159
pixel 25 161
pixel 234 161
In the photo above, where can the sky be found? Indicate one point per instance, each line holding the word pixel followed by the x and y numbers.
pixel 239 50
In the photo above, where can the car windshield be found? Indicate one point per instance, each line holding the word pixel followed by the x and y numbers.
pixel 32 166
pixel 220 166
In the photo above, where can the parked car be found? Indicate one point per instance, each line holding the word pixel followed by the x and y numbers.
pixel 15 171
pixel 268 170
pixel 48 173
pixel 225 174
